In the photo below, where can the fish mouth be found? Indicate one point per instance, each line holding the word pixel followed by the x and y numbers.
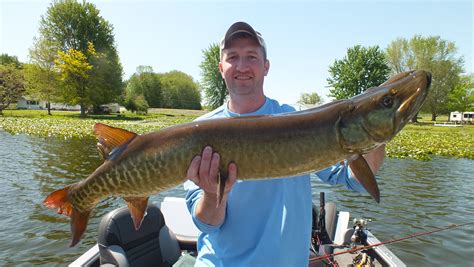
pixel 412 100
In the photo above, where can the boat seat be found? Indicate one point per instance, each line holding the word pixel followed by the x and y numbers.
pixel 154 244
pixel 331 224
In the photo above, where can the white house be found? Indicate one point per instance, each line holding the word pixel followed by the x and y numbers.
pixel 460 117
pixel 25 103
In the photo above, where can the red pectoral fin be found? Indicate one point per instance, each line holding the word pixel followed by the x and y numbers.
pixel 137 207
pixel 365 176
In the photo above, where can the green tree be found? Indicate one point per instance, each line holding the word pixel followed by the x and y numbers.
pixel 147 83
pixel 136 103
pixel 40 83
pixel 361 69
pixel 6 59
pixel 75 69
pixel 68 25
pixel 310 98
pixel 11 85
pixel 214 87
pixel 396 55
pixel 180 91
pixel 42 80
pixel 435 55
pixel 461 98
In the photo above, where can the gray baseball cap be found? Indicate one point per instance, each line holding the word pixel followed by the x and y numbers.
pixel 241 26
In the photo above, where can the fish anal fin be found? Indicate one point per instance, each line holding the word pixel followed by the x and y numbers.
pixel 78 225
pixel 110 137
pixel 137 207
pixel 365 176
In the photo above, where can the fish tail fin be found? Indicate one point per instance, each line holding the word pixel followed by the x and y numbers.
pixel 59 200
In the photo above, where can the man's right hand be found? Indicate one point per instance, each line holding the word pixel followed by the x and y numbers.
pixel 203 171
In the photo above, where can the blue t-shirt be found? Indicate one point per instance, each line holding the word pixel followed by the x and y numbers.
pixel 267 222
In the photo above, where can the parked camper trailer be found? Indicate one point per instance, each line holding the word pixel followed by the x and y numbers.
pixel 110 108
pixel 462 117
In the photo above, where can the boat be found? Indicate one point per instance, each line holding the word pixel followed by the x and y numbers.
pixel 167 237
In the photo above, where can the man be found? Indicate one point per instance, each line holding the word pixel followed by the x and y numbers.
pixel 258 223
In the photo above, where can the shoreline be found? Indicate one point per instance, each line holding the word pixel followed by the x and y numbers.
pixel 420 142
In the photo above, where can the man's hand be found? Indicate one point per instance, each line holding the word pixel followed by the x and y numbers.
pixel 203 171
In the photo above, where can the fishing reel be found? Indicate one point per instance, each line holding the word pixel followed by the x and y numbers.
pixel 362 260
pixel 359 236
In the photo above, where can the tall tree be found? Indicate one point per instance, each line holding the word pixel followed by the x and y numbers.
pixel 359 70
pixel 212 83
pixel 105 80
pixel 69 24
pixel 310 98
pixel 6 59
pixel 42 80
pixel 180 90
pixel 396 55
pixel 11 85
pixel 75 70
pixel 147 83
pixel 40 83
pixel 461 98
pixel 435 55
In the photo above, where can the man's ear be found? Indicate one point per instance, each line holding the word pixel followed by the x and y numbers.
pixel 266 66
pixel 221 70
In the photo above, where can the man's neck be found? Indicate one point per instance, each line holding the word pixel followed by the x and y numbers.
pixel 243 105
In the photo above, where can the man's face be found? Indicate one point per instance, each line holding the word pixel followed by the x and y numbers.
pixel 243 67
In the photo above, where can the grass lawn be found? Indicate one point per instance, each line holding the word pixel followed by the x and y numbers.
pixel 68 124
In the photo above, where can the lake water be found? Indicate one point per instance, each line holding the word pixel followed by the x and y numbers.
pixel 416 197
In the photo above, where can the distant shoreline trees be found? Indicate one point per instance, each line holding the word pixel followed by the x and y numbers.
pixel 12 82
pixel 435 55
pixel 359 70
pixel 174 89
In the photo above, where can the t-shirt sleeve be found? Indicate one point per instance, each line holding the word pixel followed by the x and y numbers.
pixel 340 174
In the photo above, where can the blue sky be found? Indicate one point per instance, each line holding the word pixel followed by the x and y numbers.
pixel 303 37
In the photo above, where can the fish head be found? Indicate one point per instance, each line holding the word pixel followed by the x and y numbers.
pixel 377 115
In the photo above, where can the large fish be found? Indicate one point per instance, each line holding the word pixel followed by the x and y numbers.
pixel 137 166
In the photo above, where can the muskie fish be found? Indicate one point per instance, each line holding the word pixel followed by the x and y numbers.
pixel 137 166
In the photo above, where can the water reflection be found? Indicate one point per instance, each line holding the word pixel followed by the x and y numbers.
pixel 416 196
pixel 419 196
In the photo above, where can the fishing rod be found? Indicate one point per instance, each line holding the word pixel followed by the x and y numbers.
pixel 319 258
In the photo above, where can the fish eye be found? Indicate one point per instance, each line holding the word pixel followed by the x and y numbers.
pixel 387 101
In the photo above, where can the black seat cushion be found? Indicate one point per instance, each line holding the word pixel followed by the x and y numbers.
pixel 142 247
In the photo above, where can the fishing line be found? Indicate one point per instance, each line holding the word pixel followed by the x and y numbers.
pixel 319 258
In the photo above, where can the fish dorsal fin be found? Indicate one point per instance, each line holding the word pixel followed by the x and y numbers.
pixel 109 137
